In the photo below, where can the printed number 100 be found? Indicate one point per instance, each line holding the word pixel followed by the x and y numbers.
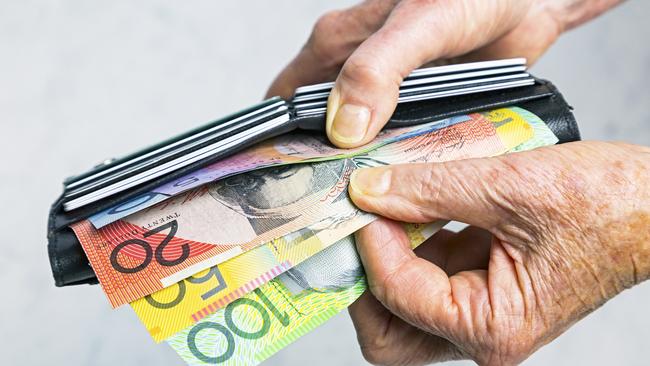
pixel 231 327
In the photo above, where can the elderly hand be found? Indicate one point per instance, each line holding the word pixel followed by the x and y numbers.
pixel 378 42
pixel 565 228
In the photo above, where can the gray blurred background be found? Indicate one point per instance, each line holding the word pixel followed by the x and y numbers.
pixel 82 81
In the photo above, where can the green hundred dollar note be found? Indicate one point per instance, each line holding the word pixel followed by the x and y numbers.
pixel 256 326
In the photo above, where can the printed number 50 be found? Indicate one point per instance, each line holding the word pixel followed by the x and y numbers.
pixel 214 271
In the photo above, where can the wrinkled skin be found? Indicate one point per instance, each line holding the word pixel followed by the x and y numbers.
pixel 556 231
pixel 564 229
pixel 374 45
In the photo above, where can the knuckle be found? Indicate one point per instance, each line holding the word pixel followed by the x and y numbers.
pixel 519 197
pixel 391 287
pixel 384 284
pixel 431 183
pixel 549 192
pixel 428 187
pixel 510 175
pixel 522 186
pixel 327 22
pixel 359 70
pixel 325 41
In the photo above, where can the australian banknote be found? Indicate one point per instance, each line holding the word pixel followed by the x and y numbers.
pixel 156 248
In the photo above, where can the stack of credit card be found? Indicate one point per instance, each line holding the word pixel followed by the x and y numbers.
pixel 432 83
pixel 271 117
pixel 199 144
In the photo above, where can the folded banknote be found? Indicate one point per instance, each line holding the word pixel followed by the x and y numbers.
pixel 153 249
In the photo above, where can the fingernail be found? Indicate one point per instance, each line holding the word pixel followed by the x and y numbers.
pixel 371 181
pixel 350 124
pixel 347 123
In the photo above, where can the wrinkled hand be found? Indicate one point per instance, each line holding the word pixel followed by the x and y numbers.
pixel 564 229
pixel 378 42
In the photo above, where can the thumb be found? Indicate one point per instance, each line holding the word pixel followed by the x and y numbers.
pixel 469 191
pixel 366 90
pixel 365 93
pixel 364 97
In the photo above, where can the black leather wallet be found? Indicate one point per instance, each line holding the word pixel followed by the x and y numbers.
pixel 305 111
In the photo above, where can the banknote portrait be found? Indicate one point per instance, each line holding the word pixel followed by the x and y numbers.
pixel 271 197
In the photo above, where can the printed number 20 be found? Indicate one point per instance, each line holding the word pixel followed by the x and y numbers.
pixel 149 252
